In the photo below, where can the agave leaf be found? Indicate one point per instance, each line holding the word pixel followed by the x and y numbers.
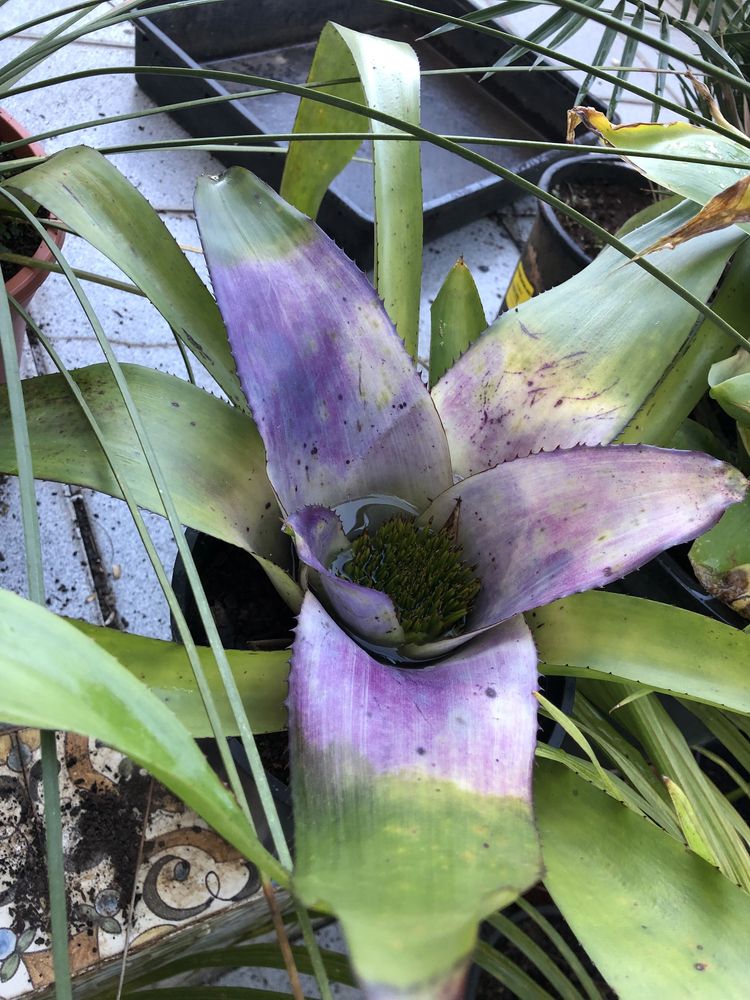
pixel 209 451
pixel 389 81
pixel 611 637
pixel 655 919
pixel 457 318
pixel 165 669
pixel 721 559
pixel 57 678
pixel 81 187
pixel 697 181
pixel 546 375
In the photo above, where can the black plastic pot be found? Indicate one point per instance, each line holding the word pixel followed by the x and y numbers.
pixel 216 561
pixel 551 254
pixel 265 39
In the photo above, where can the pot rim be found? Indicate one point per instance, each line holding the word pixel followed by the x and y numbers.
pixel 587 164
pixel 27 280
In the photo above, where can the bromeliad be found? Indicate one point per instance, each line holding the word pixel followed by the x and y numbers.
pixel 411 701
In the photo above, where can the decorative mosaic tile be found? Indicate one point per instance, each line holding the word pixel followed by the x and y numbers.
pixel 185 875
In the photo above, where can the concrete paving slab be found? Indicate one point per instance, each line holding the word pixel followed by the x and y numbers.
pixel 69 585
pixel 16 13
pixel 140 603
pixel 329 937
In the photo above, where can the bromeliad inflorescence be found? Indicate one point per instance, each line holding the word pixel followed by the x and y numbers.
pixel 421 570
pixel 412 788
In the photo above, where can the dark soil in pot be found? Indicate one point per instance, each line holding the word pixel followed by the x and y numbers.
pixel 17 235
pixel 602 188
pixel 608 203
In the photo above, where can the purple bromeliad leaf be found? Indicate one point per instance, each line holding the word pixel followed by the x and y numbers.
pixel 338 403
pixel 550 525
pixel 412 795
pixel 319 538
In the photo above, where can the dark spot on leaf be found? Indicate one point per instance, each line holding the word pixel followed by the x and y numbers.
pixel 490 692
pixel 421 751
pixel 700 966
pixel 174 403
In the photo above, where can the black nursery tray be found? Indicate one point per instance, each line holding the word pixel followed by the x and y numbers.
pixel 276 39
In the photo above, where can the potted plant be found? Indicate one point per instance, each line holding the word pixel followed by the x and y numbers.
pixel 202 461
pixel 22 282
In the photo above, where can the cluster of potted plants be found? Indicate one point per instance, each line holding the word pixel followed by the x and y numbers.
pixel 439 547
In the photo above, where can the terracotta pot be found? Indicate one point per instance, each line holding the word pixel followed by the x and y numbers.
pixel 24 284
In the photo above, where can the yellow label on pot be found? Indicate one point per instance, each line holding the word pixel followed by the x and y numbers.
pixel 520 288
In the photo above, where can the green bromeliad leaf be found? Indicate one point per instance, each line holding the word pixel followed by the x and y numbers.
pixel 546 375
pixel 57 678
pixel 684 383
pixel 165 669
pixel 81 187
pixel 613 637
pixel 721 559
pixel 210 453
pixel 655 919
pixel 457 319
pixel 730 386
pixel 388 81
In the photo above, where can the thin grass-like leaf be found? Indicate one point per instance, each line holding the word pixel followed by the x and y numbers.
pixel 537 956
pixel 628 56
pixel 731 730
pixel 559 942
pixel 630 763
pixel 665 745
pixel 662 63
pixel 743 786
pixel 36 589
pixel 577 736
pixel 508 973
pixel 603 50
pixel 264 956
pixel 593 774
pixel 208 993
